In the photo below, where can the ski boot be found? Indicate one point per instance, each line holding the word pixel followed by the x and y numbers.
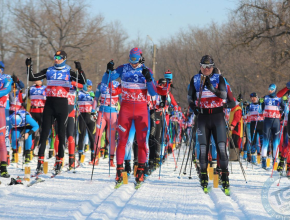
pixel 254 159
pixel 102 152
pixel 281 164
pixel 245 155
pixel 288 170
pixel 39 169
pixel 8 158
pixel 225 181
pixel 203 177
pixel 80 155
pixel 86 147
pixel 27 156
pixel 151 166
pixel 147 170
pixel 106 154
pixel 249 157
pixel 13 155
pixel 93 160
pixel 119 175
pixel 50 153
pixel 140 175
pixel 3 170
pixel 157 163
pixel 112 161
pixel 58 165
pixel 71 161
pixel 264 163
pixel 128 167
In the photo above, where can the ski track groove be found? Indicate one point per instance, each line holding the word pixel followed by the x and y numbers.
pixel 74 196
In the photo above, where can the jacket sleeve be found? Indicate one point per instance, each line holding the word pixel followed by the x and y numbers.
pixel 237 117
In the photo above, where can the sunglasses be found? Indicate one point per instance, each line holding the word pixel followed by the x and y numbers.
pixel 58 57
pixel 204 66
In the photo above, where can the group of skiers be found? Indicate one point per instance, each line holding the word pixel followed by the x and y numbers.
pixel 130 110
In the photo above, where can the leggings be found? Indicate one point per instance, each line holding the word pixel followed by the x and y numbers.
pixel 28 141
pixel 215 125
pixel 85 119
pixel 55 108
pixel 138 112
pixel 271 128
pixel 105 120
pixel 3 149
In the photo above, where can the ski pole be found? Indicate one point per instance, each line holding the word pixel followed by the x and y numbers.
pixel 97 148
pixel 277 150
pixel 110 128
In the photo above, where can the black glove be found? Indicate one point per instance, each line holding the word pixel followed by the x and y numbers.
pixel 142 60
pixel 162 104
pixel 240 98
pixel 78 65
pixel 171 86
pixel 225 105
pixel 146 74
pixel 15 79
pixel 110 66
pixel 196 110
pixel 28 62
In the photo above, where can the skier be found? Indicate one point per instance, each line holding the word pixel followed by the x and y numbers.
pixel 136 80
pixel 22 124
pixel 256 118
pixel 209 110
pixel 271 107
pixel 107 114
pixel 56 106
pixel 5 87
pixel 85 104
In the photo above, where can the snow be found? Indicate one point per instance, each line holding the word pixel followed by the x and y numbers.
pixel 74 196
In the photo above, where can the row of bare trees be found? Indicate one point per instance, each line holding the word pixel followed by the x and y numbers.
pixel 251 49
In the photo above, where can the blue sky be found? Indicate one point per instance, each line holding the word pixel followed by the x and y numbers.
pixel 162 18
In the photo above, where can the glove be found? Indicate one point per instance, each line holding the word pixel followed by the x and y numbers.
pixel 288 85
pixel 94 116
pixel 92 94
pixel 15 79
pixel 110 66
pixel 142 60
pixel 261 100
pixel 225 105
pixel 162 104
pixel 146 74
pixel 196 110
pixel 171 86
pixel 240 98
pixel 78 65
pixel 208 84
pixel 28 62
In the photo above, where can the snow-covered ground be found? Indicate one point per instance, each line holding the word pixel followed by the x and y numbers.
pixel 75 196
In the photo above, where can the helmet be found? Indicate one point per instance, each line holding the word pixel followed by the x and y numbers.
pixel 207 59
pixel 168 75
pixel 17 122
pixel 135 55
pixel 272 87
pixel 253 94
pixel 2 66
pixel 89 82
pixel 161 81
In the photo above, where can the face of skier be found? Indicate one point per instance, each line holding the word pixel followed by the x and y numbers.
pixel 254 99
pixel 134 65
pixel 89 88
pixel 1 71
pixel 207 70
pixel 58 59
pixel 38 82
pixel 271 91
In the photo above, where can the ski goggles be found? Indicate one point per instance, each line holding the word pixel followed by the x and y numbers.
pixel 58 57
pixel 253 95
pixel 206 65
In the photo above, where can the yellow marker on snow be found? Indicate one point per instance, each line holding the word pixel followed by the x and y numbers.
pixel 45 167
pixel 125 178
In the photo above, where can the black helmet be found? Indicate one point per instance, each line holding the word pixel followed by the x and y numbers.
pixel 206 59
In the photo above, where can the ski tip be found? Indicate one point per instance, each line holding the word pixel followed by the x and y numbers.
pixel 178 177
